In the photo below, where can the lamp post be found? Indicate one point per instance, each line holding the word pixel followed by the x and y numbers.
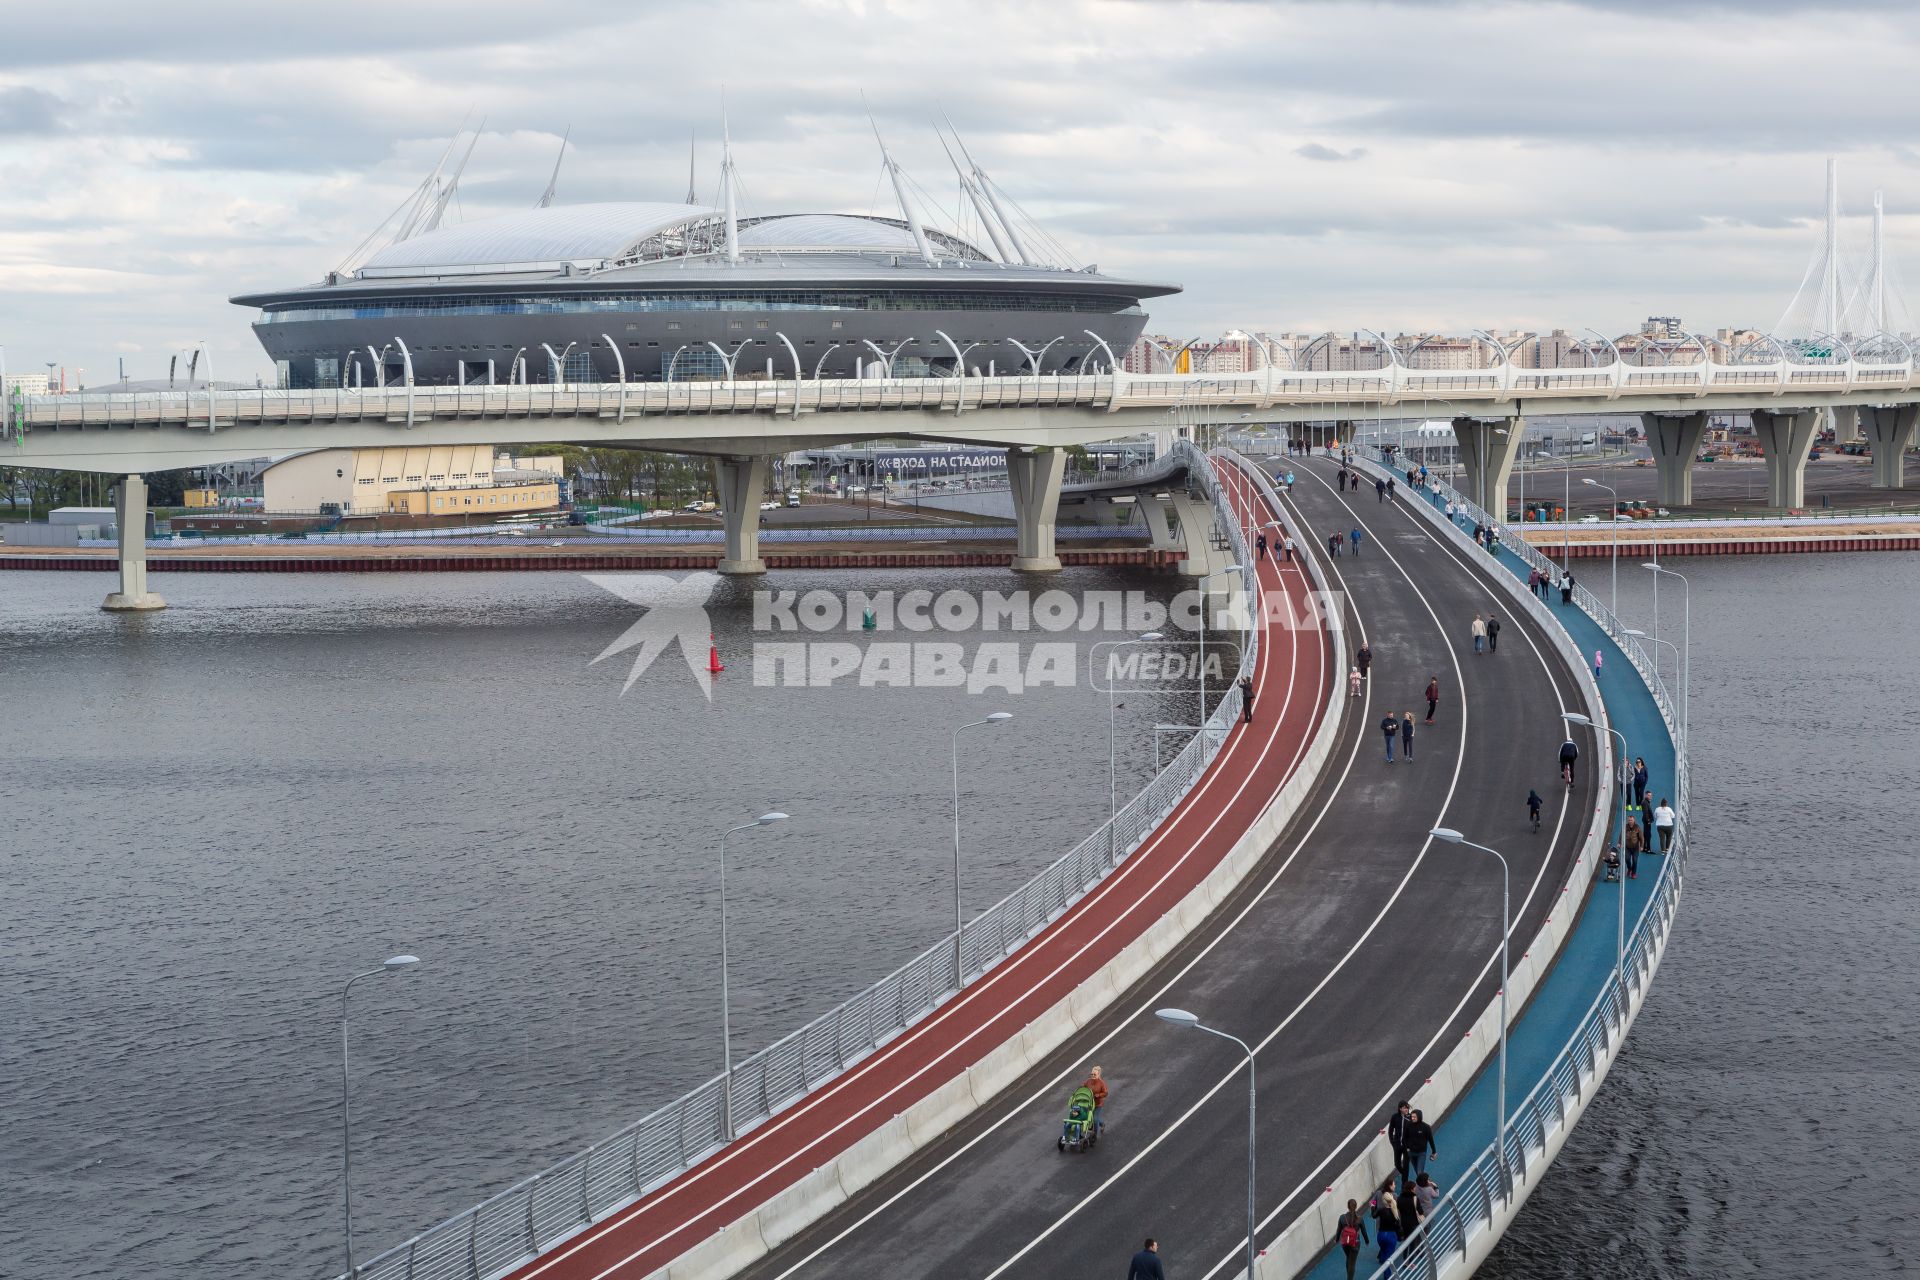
pixel 1677 664
pixel 1232 568
pixel 346 1119
pixel 1181 1018
pixel 1113 786
pixel 959 922
pixel 1620 929
pixel 1506 927
pixel 726 1022
pixel 1613 518
pixel 1686 647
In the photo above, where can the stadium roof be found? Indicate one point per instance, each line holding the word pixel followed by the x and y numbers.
pixel 562 233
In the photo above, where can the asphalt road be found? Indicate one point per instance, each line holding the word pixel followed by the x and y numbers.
pixel 1353 959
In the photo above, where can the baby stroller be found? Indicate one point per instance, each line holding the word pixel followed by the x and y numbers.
pixel 1077 1130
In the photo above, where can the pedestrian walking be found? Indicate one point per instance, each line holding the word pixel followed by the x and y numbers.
pixel 1663 824
pixel 1397 1137
pixel 1363 658
pixel 1389 488
pixel 1391 728
pixel 1355 536
pixel 1493 633
pixel 1479 634
pixel 1333 542
pixel 1433 696
pixel 1569 755
pixel 1407 1207
pixel 1287 543
pixel 1598 658
pixel 1566 588
pixel 1379 490
pixel 1246 699
pixel 1533 807
pixel 1635 841
pixel 1640 783
pixel 1425 1193
pixel 1386 1222
pixel 1533 581
pixel 1350 1233
pixel 1260 545
pixel 1146 1263
pixel 1406 734
pixel 1353 683
pixel 1289 482
pixel 1449 510
pixel 1341 476
pixel 1419 1147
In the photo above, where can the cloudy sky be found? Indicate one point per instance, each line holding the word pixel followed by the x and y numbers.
pixel 1294 166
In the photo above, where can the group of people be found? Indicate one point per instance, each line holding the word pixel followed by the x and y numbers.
pixel 1352 538
pixel 1486 633
pixel 1404 1200
pixel 1542 583
pixel 1283 540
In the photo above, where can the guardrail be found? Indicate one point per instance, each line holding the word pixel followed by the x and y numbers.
pixel 1452 1235
pixel 515 1225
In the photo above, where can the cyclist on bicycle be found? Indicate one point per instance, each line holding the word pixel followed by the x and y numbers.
pixel 1533 807
pixel 1569 752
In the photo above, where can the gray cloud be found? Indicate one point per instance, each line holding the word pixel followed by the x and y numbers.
pixel 1314 151
pixel 27 110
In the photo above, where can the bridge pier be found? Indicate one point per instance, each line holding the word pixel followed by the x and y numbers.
pixel 1846 423
pixel 741 481
pixel 1487 451
pixel 1889 428
pixel 1034 478
pixel 130 512
pixel 1195 535
pixel 1675 438
pixel 1786 438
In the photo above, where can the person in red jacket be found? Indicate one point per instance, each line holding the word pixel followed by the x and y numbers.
pixel 1098 1085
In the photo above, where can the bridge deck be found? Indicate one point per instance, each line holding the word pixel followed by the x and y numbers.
pixel 1290 684
pixel 1353 959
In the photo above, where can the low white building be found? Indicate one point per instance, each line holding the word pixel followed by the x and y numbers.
pixel 359 481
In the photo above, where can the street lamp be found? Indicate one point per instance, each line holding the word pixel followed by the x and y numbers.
pixel 959 924
pixel 1678 662
pixel 1206 578
pixel 346 1119
pixel 726 1025
pixel 1181 1018
pixel 1113 805
pixel 1450 836
pixel 1620 929
pixel 1686 644
pixel 1613 517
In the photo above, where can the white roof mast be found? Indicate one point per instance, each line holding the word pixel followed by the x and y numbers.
pixel 979 202
pixel 900 194
pixel 726 185
pixel 553 183
pixel 986 185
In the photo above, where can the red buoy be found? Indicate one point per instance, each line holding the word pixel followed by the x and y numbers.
pixel 714 665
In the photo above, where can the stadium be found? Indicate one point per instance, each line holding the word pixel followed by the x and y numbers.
pixel 640 291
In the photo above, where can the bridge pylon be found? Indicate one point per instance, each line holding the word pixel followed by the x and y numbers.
pixel 1675 438
pixel 1786 437
pixel 1487 450
pixel 130 512
pixel 1034 478
pixel 1890 429
pixel 741 482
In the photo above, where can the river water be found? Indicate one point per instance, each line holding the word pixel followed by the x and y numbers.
pixel 216 814
pixel 1756 1123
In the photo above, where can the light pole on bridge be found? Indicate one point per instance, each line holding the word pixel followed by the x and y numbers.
pixel 1613 518
pixel 1620 928
pixel 959 920
pixel 726 1016
pixel 1450 836
pixel 346 1119
pixel 1181 1018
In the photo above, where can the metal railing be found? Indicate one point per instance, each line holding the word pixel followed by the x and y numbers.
pixel 518 1223
pixel 1484 1190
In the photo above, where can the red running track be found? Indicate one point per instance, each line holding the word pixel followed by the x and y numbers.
pixel 1243 779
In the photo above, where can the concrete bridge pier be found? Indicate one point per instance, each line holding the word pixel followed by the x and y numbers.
pixel 1034 478
pixel 1846 423
pixel 1488 447
pixel 741 482
pixel 130 511
pixel 1889 428
pixel 1675 438
pixel 1787 439
pixel 1195 535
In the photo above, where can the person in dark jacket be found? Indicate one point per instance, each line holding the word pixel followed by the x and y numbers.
pixel 1635 843
pixel 1640 783
pixel 1350 1232
pixel 1397 1135
pixel 1146 1263
pixel 1363 658
pixel 1386 1223
pixel 1390 726
pixel 1433 697
pixel 1419 1139
pixel 1406 734
pixel 1569 753
pixel 1493 633
pixel 1408 1209
pixel 1246 699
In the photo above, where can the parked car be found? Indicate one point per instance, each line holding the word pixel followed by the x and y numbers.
pixel 793 499
pixel 769 506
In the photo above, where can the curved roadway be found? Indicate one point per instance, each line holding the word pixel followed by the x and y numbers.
pixel 1291 680
pixel 1352 959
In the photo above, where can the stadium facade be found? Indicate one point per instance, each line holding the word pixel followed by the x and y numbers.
pixel 655 291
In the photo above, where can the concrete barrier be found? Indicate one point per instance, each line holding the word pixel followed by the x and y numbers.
pixel 813 1197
